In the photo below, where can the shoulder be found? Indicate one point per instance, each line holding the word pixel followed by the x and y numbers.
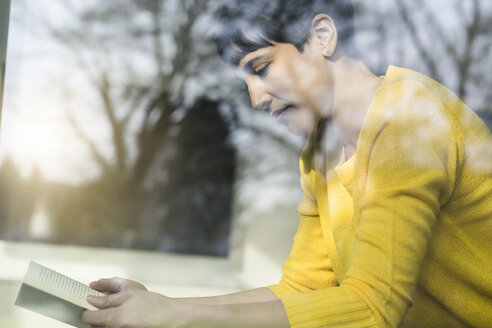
pixel 404 92
pixel 414 104
pixel 410 131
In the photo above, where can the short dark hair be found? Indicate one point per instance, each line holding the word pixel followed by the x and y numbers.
pixel 245 26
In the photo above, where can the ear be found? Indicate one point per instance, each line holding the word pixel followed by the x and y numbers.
pixel 324 31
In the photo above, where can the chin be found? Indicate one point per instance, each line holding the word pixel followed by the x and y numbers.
pixel 300 131
pixel 301 122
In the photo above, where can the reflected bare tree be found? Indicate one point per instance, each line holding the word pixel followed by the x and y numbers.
pixel 146 62
pixel 449 40
pixel 145 65
pixel 140 68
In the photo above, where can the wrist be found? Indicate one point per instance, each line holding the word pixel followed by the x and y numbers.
pixel 188 315
pixel 169 312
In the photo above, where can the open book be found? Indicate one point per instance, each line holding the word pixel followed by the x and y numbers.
pixel 54 295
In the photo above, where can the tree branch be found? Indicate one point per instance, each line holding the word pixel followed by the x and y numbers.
pixel 437 28
pixel 419 44
pixel 151 138
pixel 117 127
pixel 96 155
pixel 465 61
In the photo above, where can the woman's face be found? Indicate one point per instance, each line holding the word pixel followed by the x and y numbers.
pixel 294 87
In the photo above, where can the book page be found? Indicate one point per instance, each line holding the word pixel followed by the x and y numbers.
pixel 60 281
pixel 57 284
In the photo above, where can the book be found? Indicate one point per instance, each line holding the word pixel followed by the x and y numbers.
pixel 55 295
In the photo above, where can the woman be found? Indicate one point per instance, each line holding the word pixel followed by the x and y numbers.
pixel 397 233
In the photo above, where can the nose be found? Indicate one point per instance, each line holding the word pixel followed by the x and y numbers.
pixel 260 98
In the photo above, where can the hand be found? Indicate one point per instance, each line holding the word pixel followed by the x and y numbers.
pixel 129 305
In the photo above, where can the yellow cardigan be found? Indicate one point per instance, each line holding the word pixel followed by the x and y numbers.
pixel 401 233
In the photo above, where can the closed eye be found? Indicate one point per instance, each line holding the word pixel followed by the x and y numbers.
pixel 263 71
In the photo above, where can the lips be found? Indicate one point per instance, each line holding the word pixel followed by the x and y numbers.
pixel 278 112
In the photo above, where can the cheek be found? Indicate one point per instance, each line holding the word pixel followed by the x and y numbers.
pixel 315 86
pixel 312 80
pixel 282 82
pixel 284 78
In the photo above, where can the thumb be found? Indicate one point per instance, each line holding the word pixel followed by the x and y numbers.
pixel 106 301
pixel 108 285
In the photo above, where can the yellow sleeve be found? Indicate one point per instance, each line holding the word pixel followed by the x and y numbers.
pixel 407 173
pixel 308 266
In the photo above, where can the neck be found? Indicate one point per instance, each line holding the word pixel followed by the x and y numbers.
pixel 353 91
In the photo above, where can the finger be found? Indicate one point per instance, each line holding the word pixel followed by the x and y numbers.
pixel 105 285
pixel 101 318
pixel 106 301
